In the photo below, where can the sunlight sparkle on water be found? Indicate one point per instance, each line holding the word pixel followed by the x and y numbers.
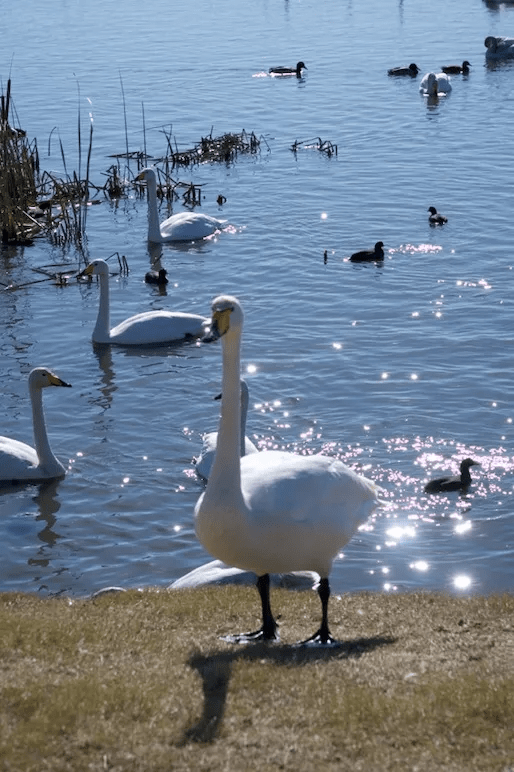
pixel 463 527
pixel 419 565
pixel 399 531
pixel 251 369
pixel 461 582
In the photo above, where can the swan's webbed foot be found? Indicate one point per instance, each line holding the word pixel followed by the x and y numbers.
pixel 321 637
pixel 258 636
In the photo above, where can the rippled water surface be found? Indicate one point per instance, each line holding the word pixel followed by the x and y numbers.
pixel 401 369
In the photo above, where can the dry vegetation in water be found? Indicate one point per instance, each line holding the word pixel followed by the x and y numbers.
pixel 140 681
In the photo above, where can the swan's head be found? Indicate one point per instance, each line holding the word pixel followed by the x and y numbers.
pixel 96 268
pixel 431 84
pixel 41 377
pixel 146 174
pixel 227 315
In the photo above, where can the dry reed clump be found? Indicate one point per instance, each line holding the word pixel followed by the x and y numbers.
pixel 324 146
pixel 141 681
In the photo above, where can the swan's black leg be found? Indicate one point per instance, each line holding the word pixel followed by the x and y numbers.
pixel 323 634
pixel 269 629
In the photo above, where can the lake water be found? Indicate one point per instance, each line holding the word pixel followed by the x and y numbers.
pixel 401 370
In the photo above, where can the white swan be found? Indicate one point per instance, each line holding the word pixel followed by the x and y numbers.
pixel 151 327
pixel 184 226
pixel 435 84
pixel 21 462
pixel 499 47
pixel 274 512
pixel 204 461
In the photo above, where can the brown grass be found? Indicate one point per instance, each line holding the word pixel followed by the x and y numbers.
pixel 141 681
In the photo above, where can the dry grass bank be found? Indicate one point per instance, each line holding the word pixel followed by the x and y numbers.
pixel 141 681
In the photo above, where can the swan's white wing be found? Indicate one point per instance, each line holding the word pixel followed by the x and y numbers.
pixel 18 461
pixel 154 327
pixel 189 226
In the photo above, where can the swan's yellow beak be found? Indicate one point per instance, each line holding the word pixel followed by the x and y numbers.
pixel 54 380
pixel 88 271
pixel 221 321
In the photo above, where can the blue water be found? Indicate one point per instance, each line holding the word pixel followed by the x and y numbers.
pixel 401 370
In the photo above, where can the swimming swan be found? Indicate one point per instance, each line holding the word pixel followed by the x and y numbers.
pixel 204 461
pixel 184 226
pixel 274 512
pixel 499 47
pixel 459 483
pixel 435 84
pixel 151 327
pixel 289 70
pixel 21 462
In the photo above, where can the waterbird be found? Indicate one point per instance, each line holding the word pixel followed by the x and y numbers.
pixel 289 70
pixel 455 69
pixel 459 483
pixel 157 277
pixel 499 47
pixel 21 462
pixel 411 70
pixel 183 226
pixel 148 328
pixel 273 511
pixel 368 255
pixel 435 84
pixel 435 217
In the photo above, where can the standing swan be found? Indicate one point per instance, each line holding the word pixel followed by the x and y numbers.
pixel 204 461
pixel 274 512
pixel 21 462
pixel 151 327
pixel 184 226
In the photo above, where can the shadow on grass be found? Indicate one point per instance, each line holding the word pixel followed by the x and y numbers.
pixel 215 670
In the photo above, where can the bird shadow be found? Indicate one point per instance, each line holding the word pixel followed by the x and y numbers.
pixel 215 670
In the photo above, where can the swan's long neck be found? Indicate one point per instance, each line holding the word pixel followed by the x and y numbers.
pixel 41 443
pixel 154 229
pixel 225 476
pixel 101 332
pixel 244 412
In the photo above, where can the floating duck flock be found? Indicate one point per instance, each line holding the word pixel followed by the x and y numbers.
pixel 267 512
